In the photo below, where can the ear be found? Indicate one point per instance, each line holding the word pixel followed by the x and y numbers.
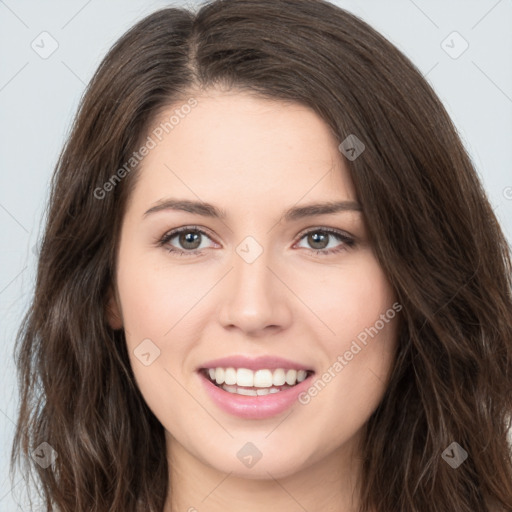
pixel 113 311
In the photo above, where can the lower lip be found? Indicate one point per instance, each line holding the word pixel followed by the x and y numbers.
pixel 254 407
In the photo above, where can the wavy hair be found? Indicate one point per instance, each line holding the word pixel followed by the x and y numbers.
pixel 431 224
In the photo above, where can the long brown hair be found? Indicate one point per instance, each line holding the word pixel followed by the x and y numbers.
pixel 431 225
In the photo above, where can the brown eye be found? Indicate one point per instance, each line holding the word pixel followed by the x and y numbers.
pixel 188 241
pixel 319 239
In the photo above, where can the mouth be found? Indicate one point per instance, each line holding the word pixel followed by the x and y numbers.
pixel 260 382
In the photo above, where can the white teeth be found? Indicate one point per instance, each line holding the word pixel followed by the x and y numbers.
pixel 245 377
pixel 229 376
pixel 279 377
pixel 218 375
pixel 291 377
pixel 244 391
pixel 252 392
pixel 264 378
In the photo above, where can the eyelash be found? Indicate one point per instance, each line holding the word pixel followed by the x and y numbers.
pixel 347 241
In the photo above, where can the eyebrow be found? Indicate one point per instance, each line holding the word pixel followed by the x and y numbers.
pixel 294 213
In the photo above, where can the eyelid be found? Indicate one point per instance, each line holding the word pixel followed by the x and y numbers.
pixel 327 229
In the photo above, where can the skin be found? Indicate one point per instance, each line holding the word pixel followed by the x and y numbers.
pixel 254 158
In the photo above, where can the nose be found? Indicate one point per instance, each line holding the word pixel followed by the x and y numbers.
pixel 254 299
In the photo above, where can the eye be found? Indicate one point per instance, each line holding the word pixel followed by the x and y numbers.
pixel 320 238
pixel 190 239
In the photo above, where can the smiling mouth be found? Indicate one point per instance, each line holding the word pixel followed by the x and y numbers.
pixel 243 381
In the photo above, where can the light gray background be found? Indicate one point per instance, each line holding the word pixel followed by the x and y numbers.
pixel 38 99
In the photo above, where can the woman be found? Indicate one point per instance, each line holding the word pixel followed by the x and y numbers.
pixel 270 280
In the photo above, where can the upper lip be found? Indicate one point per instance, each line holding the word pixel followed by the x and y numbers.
pixel 255 363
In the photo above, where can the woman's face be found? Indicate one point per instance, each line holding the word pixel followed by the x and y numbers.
pixel 256 279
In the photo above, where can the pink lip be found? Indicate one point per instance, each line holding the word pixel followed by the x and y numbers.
pixel 257 363
pixel 253 407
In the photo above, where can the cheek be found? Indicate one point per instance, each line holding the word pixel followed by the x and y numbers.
pixel 155 297
pixel 356 304
pixel 154 300
pixel 349 298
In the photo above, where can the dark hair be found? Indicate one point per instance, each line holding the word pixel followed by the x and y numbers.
pixel 432 228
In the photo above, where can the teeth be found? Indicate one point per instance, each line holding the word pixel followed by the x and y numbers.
pixel 218 375
pixel 279 377
pixel 252 392
pixel 262 378
pixel 245 377
pixel 291 377
pixel 265 379
pixel 301 375
pixel 229 376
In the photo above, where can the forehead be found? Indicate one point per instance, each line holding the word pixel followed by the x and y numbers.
pixel 236 148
